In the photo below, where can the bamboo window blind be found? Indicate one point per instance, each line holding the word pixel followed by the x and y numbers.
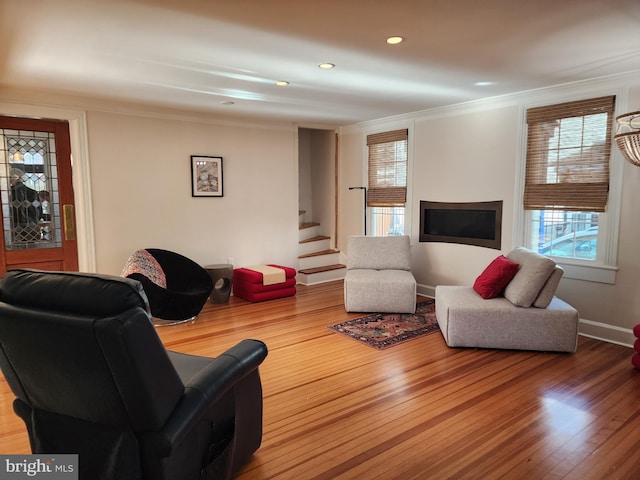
pixel 387 168
pixel 568 150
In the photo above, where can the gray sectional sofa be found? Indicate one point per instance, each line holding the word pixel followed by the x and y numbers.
pixel 528 317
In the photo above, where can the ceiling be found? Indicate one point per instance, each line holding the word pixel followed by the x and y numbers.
pixel 204 54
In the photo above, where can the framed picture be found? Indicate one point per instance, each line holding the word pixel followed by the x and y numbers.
pixel 206 176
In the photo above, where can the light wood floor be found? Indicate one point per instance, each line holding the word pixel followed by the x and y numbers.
pixel 336 409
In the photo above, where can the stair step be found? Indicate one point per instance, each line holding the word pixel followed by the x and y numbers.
pixel 307 231
pixel 308 225
pixel 323 252
pixel 320 257
pixel 327 273
pixel 315 239
pixel 326 268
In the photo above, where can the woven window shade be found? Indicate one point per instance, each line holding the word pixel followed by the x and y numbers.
pixel 568 150
pixel 387 168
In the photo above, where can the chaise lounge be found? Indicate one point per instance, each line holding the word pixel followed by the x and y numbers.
pixel 528 316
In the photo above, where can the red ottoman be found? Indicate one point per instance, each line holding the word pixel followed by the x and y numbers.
pixel 635 360
pixel 249 284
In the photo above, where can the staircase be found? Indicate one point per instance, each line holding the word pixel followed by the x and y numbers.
pixel 317 262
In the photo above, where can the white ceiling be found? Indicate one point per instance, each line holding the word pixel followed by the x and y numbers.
pixel 198 54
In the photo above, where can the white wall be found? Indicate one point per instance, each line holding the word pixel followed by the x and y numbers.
pixel 305 188
pixel 471 152
pixel 316 163
pixel 452 164
pixel 352 158
pixel 132 182
pixel 323 180
pixel 140 170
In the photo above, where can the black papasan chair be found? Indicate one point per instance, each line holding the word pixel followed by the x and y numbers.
pixel 176 286
pixel 91 377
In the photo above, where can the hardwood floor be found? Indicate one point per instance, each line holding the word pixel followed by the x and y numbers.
pixel 336 409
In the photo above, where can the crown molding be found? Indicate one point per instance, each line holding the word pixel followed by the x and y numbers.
pixel 527 97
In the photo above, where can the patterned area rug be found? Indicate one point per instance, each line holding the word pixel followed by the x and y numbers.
pixel 383 330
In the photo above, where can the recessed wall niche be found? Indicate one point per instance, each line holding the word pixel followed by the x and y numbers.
pixel 470 223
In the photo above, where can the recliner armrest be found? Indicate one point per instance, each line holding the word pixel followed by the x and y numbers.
pixel 205 389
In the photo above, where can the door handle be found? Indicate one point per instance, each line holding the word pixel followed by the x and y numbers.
pixel 69 222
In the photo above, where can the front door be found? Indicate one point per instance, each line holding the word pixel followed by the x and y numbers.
pixel 36 194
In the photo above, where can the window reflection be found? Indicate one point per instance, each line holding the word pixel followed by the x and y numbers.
pixel 565 416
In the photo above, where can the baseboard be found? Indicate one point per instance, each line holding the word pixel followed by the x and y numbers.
pixel 606 333
pixel 426 291
pixel 586 328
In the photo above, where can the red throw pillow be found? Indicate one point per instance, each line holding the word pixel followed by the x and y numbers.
pixel 495 277
pixel 636 331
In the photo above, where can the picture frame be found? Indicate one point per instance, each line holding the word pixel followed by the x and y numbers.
pixel 206 176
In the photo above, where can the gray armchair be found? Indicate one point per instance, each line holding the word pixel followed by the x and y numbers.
pixel 378 277
pixel 91 377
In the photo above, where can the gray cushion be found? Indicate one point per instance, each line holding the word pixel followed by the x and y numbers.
pixel 378 253
pixel 549 289
pixel 533 273
pixel 390 291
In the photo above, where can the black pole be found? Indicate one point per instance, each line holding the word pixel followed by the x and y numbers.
pixel 364 190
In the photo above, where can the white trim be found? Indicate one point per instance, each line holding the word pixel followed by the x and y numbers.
pixel 408 207
pixel 62 101
pixel 589 273
pixel 519 223
pixel 565 90
pixel 426 290
pixel 80 168
pixel 616 164
pixel 606 333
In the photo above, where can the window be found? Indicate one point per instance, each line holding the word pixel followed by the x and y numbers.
pixel 387 195
pixel 567 178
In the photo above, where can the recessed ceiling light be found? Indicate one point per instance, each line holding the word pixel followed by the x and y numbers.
pixel 326 66
pixel 282 83
pixel 483 84
pixel 394 40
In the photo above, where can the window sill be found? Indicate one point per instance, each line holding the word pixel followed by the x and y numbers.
pixel 589 273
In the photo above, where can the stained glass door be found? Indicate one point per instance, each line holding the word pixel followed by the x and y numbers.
pixel 36 195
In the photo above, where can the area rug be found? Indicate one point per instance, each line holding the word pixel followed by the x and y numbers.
pixel 383 330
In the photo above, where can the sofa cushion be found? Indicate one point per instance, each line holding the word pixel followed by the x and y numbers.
pixel 378 253
pixel 380 291
pixel 534 271
pixel 549 289
pixel 495 277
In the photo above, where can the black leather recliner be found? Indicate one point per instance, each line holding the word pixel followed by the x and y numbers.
pixel 92 377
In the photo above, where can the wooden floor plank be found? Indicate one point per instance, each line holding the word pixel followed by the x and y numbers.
pixel 337 409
